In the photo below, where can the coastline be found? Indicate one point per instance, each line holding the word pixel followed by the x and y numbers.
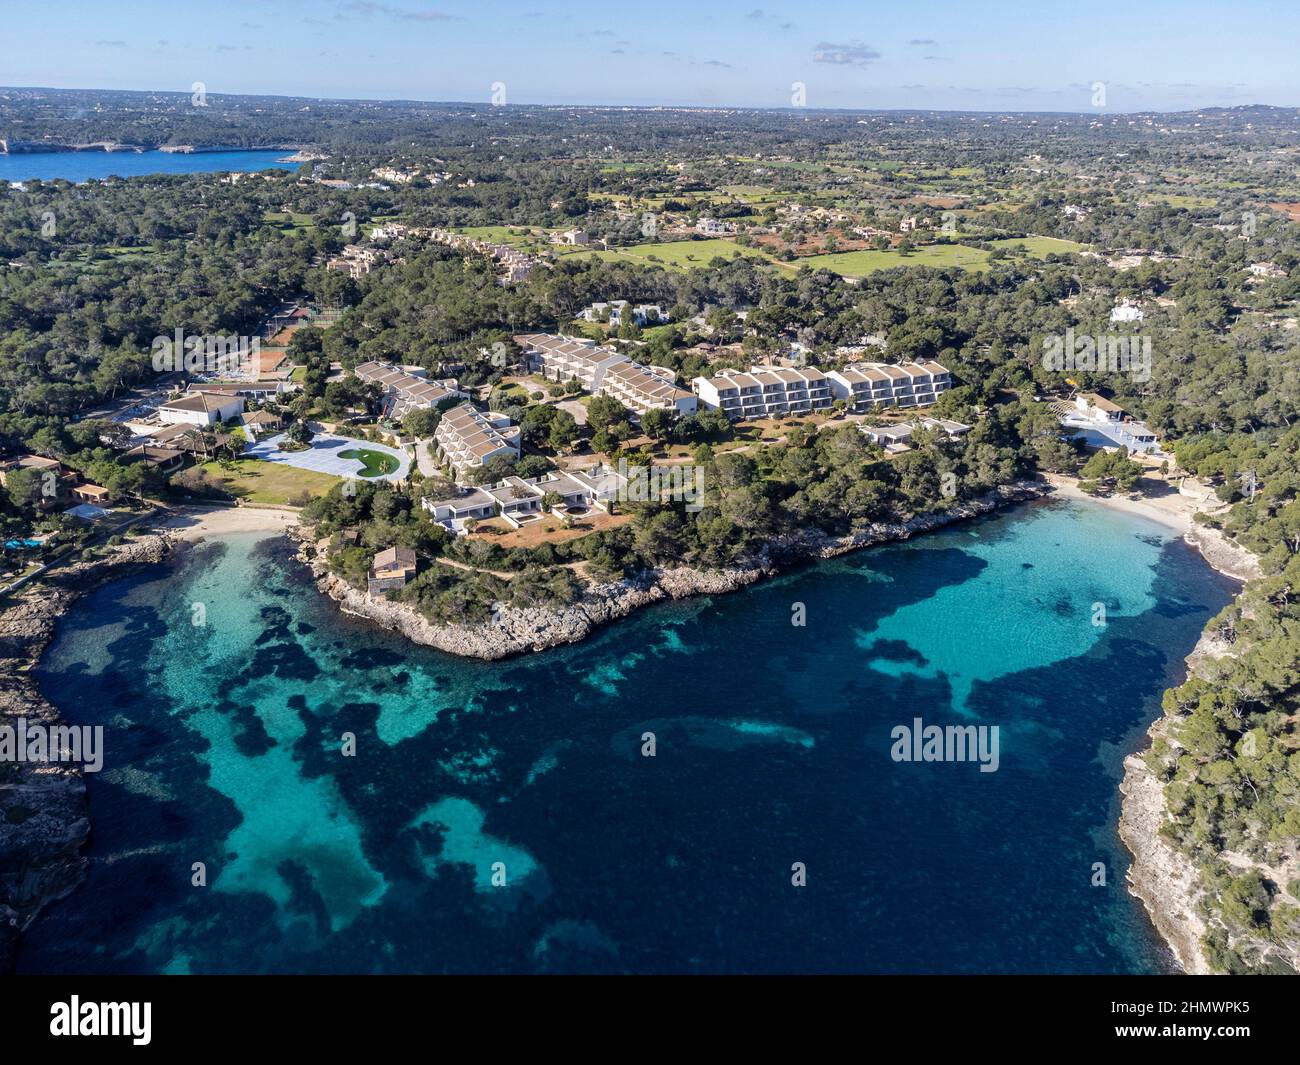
pixel 43 815
pixel 49 866
pixel 196 523
pixel 515 631
pixel 1160 876
pixel 1178 512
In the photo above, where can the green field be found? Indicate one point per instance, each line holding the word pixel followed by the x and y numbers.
pixel 860 263
pixel 530 238
pixel 681 254
pixel 268 482
pixel 376 463
pixel 1040 247
pixel 1176 199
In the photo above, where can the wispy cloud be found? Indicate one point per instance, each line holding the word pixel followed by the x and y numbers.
pixel 922 40
pixel 368 8
pixel 858 55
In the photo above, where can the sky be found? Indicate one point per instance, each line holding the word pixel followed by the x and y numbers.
pixel 974 55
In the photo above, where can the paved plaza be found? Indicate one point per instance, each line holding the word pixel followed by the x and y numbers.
pixel 322 455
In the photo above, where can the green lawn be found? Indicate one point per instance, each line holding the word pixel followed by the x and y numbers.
pixel 1040 247
pixel 376 463
pixel 269 482
pixel 681 254
pixel 860 263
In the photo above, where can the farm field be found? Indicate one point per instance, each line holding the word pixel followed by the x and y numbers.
pixel 681 254
pixel 860 263
pixel 1040 247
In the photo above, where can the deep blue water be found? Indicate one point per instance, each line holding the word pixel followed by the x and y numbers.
pixel 82 166
pixel 223 746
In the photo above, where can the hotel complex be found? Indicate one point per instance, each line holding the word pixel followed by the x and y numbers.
pixel 604 373
pixel 867 385
pixel 405 391
pixel 764 392
pixel 466 437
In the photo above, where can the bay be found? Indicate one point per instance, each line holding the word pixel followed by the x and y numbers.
pixel 502 817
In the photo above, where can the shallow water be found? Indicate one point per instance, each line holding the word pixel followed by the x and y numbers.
pixel 772 748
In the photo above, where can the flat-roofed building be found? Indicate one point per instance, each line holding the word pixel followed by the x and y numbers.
pixel 466 437
pixel 519 501
pixel 405 391
pixel 869 385
pixel 765 391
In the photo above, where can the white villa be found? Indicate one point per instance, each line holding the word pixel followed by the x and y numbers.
pixel 868 385
pixel 466 437
pixel 1102 423
pixel 614 311
pixel 571 237
pixel 764 392
pixel 201 408
pixel 896 437
pixel 1127 312
pixel 518 501
pixel 407 390
pixel 713 228
pixel 601 371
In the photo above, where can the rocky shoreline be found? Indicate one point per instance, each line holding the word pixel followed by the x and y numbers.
pixel 1161 876
pixel 517 631
pixel 43 814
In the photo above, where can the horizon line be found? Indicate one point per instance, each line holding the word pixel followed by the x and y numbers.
pixel 486 104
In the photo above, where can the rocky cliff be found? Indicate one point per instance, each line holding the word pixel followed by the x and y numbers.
pixel 515 631
pixel 43 814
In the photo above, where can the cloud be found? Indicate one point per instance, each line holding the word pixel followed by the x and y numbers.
pixel 845 54
pixel 922 40
pixel 756 13
pixel 716 63
pixel 366 8
pixel 110 44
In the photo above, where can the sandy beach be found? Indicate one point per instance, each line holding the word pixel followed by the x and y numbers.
pixel 197 522
pixel 1176 511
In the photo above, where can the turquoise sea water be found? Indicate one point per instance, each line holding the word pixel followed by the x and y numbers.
pixel 502 816
pixel 82 166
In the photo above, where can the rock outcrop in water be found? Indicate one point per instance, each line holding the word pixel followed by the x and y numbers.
pixel 43 814
pixel 516 631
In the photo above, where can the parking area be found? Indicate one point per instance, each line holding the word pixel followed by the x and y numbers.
pixel 323 456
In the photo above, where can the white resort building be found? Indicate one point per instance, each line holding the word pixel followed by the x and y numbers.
pixel 466 437
pixel 765 391
pixel 407 390
pixel 868 385
pixel 603 372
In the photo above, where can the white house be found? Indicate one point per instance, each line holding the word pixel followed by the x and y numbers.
pixel 201 408
pixel 711 227
pixel 1127 312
